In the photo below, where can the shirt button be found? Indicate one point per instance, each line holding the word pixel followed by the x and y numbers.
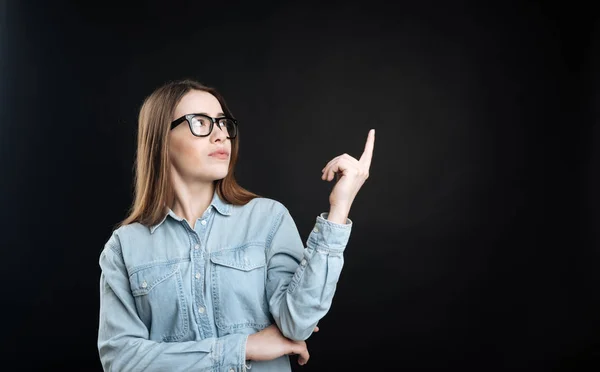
pixel 197 275
pixel 203 222
pixel 201 309
pixel 197 246
pixel 144 284
pixel 316 229
pixel 303 262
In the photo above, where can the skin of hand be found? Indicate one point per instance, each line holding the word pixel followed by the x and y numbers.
pixel 269 344
pixel 351 174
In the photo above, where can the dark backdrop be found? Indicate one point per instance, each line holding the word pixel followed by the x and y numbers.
pixel 475 240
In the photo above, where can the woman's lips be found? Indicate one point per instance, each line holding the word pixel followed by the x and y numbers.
pixel 219 155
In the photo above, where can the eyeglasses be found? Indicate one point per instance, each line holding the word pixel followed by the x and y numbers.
pixel 202 125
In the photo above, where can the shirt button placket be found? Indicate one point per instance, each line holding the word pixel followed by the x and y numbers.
pixel 199 279
pixel 197 267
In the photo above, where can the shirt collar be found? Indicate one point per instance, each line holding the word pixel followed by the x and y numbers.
pixel 220 205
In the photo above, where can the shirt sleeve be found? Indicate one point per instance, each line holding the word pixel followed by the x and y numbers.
pixel 301 281
pixel 123 342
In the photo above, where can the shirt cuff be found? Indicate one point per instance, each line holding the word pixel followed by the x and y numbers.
pixel 231 351
pixel 329 235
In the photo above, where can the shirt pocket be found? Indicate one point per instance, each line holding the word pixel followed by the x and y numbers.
pixel 158 292
pixel 238 287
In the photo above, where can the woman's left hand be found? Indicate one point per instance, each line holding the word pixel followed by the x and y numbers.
pixel 351 174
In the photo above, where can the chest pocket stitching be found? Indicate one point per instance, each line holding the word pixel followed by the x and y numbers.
pixel 154 274
pixel 246 257
pixel 152 277
pixel 170 262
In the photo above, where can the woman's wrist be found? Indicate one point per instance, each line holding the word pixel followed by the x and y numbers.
pixel 249 354
pixel 338 213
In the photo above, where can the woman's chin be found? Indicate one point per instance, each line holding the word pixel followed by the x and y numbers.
pixel 210 173
pixel 218 175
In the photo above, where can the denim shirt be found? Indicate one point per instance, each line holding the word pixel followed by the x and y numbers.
pixel 176 297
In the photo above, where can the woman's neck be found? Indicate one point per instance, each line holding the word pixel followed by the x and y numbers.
pixel 191 200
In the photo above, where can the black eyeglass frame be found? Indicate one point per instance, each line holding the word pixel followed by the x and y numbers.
pixel 213 121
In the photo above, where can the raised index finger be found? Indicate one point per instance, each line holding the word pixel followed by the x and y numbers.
pixel 367 154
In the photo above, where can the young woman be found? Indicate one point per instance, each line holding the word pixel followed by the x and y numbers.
pixel 204 275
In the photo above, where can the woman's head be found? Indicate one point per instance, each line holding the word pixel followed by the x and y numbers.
pixel 200 141
pixel 168 148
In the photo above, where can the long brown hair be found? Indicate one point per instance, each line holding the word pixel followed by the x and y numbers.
pixel 153 188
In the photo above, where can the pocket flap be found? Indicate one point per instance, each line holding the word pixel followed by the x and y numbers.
pixel 246 257
pixel 143 280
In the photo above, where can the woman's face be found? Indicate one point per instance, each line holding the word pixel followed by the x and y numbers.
pixel 191 156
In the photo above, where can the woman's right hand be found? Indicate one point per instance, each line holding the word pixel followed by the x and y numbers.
pixel 269 344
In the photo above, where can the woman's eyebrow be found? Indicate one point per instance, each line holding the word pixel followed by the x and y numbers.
pixel 204 113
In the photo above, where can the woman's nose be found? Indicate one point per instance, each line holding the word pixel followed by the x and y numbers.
pixel 219 133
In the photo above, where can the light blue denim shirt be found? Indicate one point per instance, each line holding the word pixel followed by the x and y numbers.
pixel 179 298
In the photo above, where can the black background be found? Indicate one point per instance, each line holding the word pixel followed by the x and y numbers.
pixel 475 244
